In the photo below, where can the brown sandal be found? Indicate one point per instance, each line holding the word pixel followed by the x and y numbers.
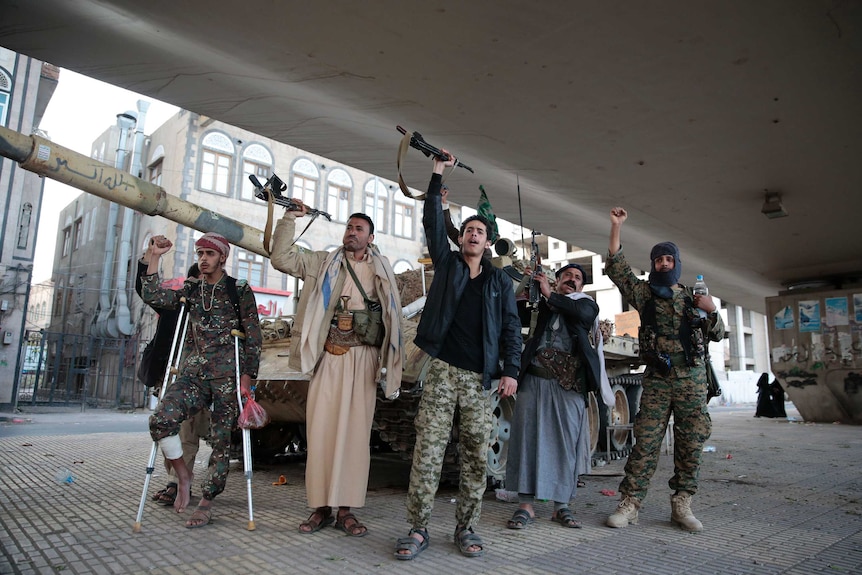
pixel 202 516
pixel 354 529
pixel 319 518
pixel 157 496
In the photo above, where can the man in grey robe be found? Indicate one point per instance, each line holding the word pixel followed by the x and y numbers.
pixel 561 364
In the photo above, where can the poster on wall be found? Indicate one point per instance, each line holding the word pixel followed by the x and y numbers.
pixel 857 307
pixel 836 311
pixel 809 315
pixel 784 318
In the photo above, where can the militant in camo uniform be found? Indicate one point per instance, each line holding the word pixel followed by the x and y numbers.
pixel 207 370
pixel 672 345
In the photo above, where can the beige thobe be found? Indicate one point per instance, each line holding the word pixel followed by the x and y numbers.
pixel 341 399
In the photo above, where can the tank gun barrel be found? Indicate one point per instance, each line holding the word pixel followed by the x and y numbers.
pixel 40 156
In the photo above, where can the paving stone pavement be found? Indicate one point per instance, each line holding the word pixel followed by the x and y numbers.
pixel 775 497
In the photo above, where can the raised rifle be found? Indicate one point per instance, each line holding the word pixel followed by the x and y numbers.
pixel 536 265
pixel 418 142
pixel 274 187
pixel 270 192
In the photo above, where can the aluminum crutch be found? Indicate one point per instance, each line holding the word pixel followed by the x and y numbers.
pixel 246 433
pixel 169 377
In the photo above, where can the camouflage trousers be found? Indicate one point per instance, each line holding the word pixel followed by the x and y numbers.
pixel 188 396
pixel 683 394
pixel 445 388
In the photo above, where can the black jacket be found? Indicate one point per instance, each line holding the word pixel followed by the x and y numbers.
pixel 163 337
pixel 579 316
pixel 502 328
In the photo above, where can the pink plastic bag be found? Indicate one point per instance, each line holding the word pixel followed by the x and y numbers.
pixel 253 416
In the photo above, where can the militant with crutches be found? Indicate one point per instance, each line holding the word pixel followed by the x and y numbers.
pixel 170 375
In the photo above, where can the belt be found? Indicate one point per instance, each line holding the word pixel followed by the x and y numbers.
pixel 539 371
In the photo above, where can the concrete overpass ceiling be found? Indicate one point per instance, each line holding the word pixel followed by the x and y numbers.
pixel 682 112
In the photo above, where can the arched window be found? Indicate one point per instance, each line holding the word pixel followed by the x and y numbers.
pixel 401 266
pixel 305 177
pixel 217 153
pixel 338 187
pixel 24 225
pixel 376 204
pixel 405 218
pixel 257 161
pixel 249 266
pixel 5 90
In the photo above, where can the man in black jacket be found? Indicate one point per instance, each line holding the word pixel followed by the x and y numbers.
pixel 469 325
pixel 193 428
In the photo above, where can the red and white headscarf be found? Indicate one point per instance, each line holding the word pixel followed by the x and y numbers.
pixel 214 241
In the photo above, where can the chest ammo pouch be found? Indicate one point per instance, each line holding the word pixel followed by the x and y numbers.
pixel 565 368
pixel 368 322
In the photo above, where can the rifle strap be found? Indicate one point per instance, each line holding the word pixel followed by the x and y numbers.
pixel 356 281
pixel 267 230
pixel 402 153
pixel 534 318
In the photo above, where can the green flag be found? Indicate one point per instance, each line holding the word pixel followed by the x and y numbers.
pixel 484 209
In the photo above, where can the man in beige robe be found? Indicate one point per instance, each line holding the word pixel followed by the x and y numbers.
pixel 343 389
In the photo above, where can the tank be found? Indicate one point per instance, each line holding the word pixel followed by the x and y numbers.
pixel 282 391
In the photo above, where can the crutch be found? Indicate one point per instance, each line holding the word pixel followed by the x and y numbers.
pixel 246 433
pixel 169 377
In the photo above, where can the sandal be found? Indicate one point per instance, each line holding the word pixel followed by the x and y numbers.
pixel 520 519
pixel 168 495
pixel 158 495
pixel 566 518
pixel 411 545
pixel 316 525
pixel 466 538
pixel 202 516
pixel 355 529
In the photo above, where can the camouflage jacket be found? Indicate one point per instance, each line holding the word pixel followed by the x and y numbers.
pixel 208 349
pixel 670 313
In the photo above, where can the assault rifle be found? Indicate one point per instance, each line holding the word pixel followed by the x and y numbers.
pixel 274 186
pixel 418 142
pixel 536 265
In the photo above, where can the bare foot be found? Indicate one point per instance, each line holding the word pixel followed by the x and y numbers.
pixel 183 492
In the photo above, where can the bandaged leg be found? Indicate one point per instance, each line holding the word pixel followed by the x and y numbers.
pixel 172 447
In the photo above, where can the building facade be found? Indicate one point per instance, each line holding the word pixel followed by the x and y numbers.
pixel 26 87
pixel 104 325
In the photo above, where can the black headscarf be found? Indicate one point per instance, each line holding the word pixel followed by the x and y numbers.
pixel 661 282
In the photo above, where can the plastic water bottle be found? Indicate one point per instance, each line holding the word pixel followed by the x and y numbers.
pixel 64 477
pixel 700 289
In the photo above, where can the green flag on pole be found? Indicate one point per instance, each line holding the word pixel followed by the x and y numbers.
pixel 484 209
